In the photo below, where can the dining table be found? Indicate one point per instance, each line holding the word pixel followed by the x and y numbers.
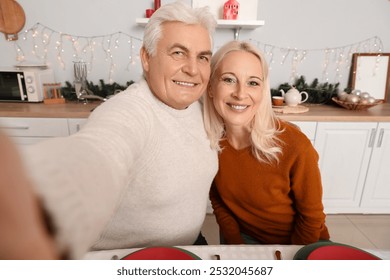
pixel 229 252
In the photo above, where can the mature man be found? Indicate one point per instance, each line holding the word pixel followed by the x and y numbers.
pixel 139 172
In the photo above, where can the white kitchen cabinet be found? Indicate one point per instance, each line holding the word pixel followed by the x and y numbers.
pixel 353 167
pixel 308 128
pixel 376 195
pixel 75 124
pixel 25 131
pixel 31 130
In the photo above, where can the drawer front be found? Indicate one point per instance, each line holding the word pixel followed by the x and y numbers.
pixel 308 128
pixel 35 127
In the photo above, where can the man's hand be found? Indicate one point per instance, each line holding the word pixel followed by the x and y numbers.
pixel 23 232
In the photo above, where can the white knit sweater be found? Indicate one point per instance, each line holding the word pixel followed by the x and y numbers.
pixel 137 174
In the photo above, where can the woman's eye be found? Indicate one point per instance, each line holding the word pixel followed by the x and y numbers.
pixel 228 80
pixel 253 83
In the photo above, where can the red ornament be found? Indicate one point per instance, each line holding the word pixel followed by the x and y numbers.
pixel 230 9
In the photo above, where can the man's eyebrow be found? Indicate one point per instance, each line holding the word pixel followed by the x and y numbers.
pixel 210 53
pixel 180 46
pixel 184 48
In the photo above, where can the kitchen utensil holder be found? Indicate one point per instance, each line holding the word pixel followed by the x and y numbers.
pixel 52 94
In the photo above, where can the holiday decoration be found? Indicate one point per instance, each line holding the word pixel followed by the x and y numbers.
pixel 103 90
pixel 353 102
pixel 39 40
pixel 338 57
pixel 317 93
pixel 230 9
pixel 82 47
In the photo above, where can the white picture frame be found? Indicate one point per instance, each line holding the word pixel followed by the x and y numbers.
pixel 371 73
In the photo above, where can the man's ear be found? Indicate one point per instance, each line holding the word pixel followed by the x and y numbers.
pixel 144 59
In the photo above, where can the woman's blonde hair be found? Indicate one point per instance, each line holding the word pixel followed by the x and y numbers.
pixel 265 125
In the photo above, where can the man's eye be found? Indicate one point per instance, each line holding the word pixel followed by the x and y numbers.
pixel 178 54
pixel 205 58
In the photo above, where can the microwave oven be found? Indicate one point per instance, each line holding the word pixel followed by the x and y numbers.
pixel 24 84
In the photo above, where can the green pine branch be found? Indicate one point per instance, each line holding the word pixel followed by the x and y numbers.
pixel 319 93
pixel 102 89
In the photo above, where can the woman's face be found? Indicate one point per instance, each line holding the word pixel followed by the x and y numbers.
pixel 237 88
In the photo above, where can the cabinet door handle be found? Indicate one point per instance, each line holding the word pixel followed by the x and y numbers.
pixel 15 127
pixel 372 138
pixel 382 131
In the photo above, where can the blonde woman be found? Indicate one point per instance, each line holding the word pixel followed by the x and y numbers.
pixel 268 188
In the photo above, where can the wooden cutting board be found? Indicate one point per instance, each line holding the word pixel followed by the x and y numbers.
pixel 12 19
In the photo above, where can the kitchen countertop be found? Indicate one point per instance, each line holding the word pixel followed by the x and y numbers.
pixel 379 113
pixel 41 110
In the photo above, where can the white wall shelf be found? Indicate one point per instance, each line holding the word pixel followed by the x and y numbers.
pixel 236 25
pixel 243 24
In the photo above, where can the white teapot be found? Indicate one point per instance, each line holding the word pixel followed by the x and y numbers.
pixel 293 97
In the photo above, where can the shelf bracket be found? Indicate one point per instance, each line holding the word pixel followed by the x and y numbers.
pixel 237 33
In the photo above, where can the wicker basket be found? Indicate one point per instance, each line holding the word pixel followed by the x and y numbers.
pixel 356 106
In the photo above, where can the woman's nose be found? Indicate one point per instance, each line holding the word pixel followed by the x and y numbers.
pixel 239 92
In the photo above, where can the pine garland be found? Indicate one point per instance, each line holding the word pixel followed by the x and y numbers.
pixel 318 93
pixel 102 90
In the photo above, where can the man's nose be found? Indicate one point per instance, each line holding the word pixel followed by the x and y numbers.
pixel 191 66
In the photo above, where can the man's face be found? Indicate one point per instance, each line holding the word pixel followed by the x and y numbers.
pixel 179 72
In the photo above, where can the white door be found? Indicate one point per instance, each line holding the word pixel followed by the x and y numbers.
pixel 344 153
pixel 376 195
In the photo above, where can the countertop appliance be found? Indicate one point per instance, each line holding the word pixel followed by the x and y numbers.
pixel 24 84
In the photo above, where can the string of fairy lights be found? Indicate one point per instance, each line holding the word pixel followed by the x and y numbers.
pixel 84 48
pixel 340 57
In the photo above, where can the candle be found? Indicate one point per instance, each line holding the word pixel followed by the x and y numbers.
pixel 157 4
pixel 149 12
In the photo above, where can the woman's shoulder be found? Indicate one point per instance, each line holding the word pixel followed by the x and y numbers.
pixel 292 132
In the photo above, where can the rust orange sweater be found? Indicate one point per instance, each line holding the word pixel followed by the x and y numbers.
pixel 274 203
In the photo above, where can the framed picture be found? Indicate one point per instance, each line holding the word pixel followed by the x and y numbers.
pixel 371 73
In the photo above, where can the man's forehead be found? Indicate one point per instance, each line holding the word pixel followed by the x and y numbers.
pixel 184 31
pixel 189 48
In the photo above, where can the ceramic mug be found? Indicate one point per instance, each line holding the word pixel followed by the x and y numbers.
pixel 277 100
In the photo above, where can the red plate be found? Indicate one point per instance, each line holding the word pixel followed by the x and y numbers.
pixel 161 253
pixel 337 252
pixel 328 250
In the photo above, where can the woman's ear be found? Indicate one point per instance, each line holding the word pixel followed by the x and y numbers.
pixel 144 59
pixel 209 90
